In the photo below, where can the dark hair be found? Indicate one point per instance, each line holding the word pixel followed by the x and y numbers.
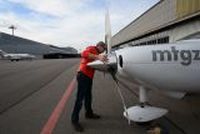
pixel 101 43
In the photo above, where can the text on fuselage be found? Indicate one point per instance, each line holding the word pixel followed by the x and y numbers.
pixel 184 56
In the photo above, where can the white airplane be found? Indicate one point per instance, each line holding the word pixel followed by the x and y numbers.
pixel 16 56
pixel 173 68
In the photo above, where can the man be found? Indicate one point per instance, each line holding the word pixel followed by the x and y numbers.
pixel 84 79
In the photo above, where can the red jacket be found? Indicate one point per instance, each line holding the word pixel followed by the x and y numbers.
pixel 85 60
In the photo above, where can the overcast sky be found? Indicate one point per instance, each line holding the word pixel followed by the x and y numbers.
pixel 75 23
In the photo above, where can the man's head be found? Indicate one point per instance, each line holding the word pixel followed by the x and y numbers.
pixel 101 46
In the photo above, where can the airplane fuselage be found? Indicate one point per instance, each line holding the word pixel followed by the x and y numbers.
pixel 17 57
pixel 173 67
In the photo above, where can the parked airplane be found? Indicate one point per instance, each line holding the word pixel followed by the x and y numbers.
pixel 172 68
pixel 16 56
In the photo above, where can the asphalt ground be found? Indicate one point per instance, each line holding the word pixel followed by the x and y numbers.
pixel 30 91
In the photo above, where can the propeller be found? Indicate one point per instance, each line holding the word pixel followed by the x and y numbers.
pixel 108 33
pixel 111 65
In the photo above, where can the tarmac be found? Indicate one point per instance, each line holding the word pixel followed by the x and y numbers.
pixel 32 91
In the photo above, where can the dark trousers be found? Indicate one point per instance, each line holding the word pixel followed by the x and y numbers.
pixel 84 93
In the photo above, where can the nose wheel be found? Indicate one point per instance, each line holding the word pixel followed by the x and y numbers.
pixel 144 112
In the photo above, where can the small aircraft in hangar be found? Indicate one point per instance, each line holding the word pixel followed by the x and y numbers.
pixel 172 68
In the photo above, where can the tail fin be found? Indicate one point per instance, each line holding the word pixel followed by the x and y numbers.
pixel 2 53
pixel 108 34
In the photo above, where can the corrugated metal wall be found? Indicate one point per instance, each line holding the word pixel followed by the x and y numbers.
pixel 186 7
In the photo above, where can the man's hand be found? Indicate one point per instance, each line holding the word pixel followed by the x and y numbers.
pixel 102 58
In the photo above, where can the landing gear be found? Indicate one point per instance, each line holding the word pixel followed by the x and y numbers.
pixel 144 112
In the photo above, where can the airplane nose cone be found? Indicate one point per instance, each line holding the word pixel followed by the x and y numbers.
pixel 110 65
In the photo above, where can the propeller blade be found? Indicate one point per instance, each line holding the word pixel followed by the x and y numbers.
pixel 108 34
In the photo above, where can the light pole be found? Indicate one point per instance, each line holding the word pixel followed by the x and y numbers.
pixel 12 27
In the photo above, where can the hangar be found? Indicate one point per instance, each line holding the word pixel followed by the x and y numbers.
pixel 15 44
pixel 166 22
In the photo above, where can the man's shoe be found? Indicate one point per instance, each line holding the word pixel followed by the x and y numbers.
pixel 78 127
pixel 92 116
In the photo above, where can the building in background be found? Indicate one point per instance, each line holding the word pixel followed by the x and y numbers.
pixel 14 44
pixel 166 22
